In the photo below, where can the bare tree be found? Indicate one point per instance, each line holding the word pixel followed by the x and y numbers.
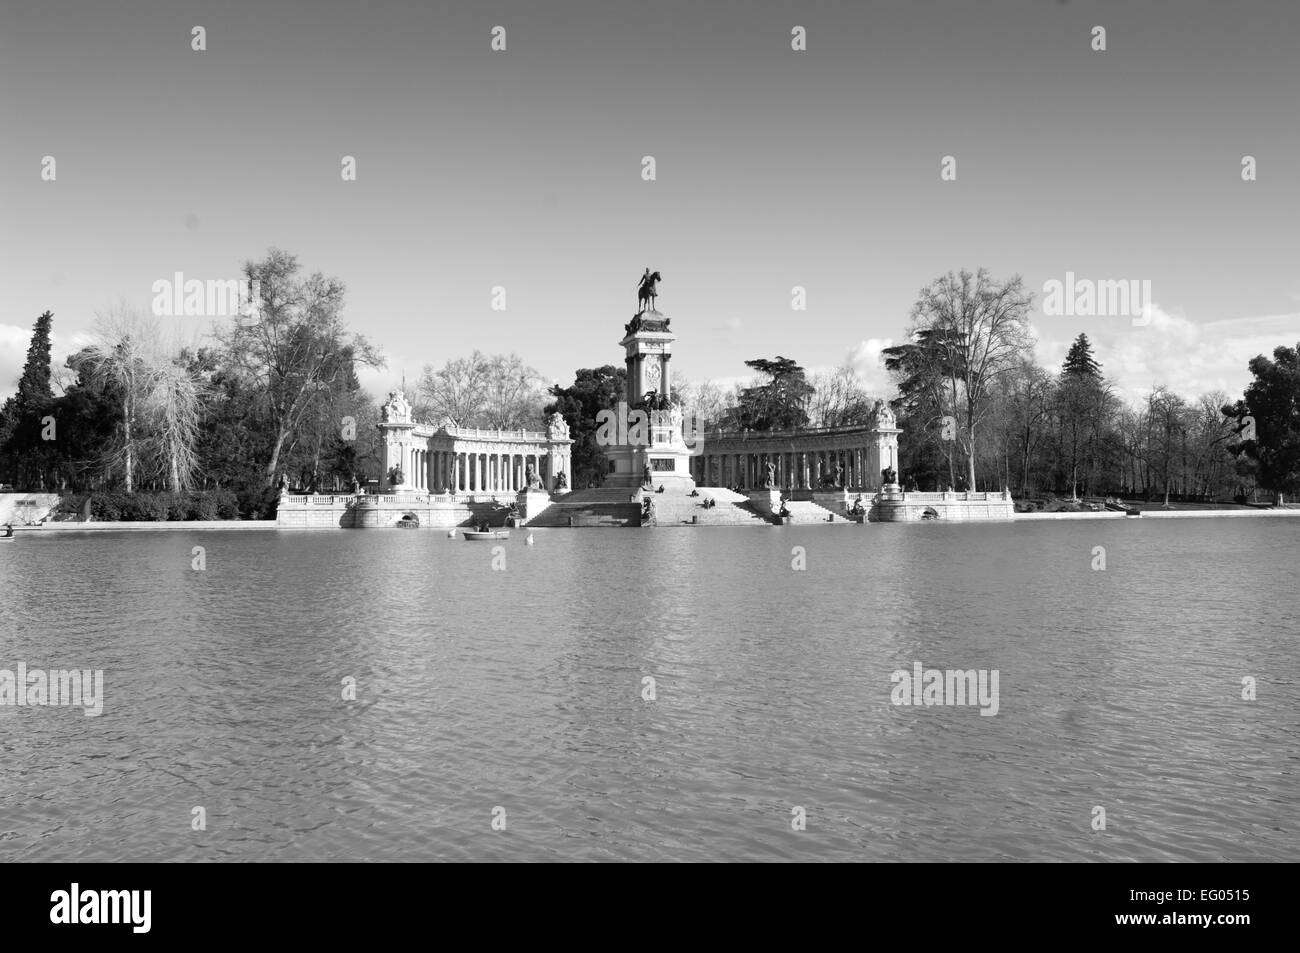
pixel 839 399
pixel 130 357
pixel 982 325
pixel 296 346
pixel 482 391
pixel 120 358
pixel 173 408
pixel 705 400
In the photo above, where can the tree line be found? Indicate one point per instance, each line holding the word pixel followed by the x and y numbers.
pixel 274 395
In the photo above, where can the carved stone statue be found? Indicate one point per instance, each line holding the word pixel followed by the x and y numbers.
pixel 647 478
pixel 839 474
pixel 556 428
pixel 283 484
pixel 889 476
pixel 883 416
pixel 561 481
pixel 397 409
pixel 534 481
pixel 770 483
pixel 395 476
pixel 647 291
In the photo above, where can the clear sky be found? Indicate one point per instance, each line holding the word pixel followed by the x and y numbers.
pixel 775 168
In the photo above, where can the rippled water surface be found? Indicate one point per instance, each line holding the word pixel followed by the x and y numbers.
pixel 522 689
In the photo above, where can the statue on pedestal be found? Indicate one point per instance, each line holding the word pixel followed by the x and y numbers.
pixel 557 428
pixel 889 476
pixel 883 416
pixel 770 482
pixel 533 480
pixel 561 481
pixel 395 476
pixel 397 409
pixel 647 478
pixel 647 291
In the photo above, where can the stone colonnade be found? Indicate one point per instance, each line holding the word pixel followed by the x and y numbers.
pixel 472 460
pixel 803 460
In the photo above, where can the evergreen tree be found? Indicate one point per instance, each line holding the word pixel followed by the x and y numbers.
pixel 1269 442
pixel 24 451
pixel 781 402
pixel 593 390
pixel 1079 362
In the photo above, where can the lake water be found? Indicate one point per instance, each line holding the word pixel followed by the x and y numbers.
pixel 521 688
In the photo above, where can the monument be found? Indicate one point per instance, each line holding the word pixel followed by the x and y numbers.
pixel 663 458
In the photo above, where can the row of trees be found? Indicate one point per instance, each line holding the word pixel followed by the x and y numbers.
pixel 273 394
pixel 980 413
pixel 276 394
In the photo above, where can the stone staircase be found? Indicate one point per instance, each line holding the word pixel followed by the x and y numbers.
pixel 733 509
pixel 601 506
pixel 806 511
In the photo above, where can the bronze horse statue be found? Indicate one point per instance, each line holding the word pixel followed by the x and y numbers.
pixel 646 294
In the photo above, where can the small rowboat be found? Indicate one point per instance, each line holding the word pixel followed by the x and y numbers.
pixel 486 534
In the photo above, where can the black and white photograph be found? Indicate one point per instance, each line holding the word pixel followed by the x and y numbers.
pixel 673 432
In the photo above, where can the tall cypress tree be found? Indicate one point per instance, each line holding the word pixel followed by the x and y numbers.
pixel 20 427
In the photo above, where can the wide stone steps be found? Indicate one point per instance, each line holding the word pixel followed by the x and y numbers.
pixel 806 511
pixel 587 514
pixel 732 509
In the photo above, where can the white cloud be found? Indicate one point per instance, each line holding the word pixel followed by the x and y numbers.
pixel 1190 358
pixel 14 342
pixel 867 362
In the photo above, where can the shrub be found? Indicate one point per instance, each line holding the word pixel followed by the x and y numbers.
pixel 108 505
pixel 153 507
pixel 259 503
pixel 178 505
pixel 201 506
pixel 226 503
